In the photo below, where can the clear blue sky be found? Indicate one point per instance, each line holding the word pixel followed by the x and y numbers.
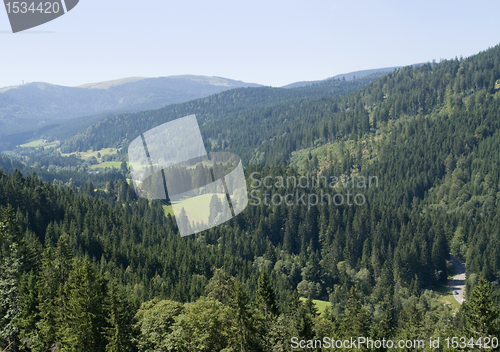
pixel 268 42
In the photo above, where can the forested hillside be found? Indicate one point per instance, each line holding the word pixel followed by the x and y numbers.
pixel 96 255
pixel 240 118
pixel 347 76
pixel 266 125
pixel 97 269
pixel 58 170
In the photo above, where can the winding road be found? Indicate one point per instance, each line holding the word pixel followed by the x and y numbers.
pixel 458 281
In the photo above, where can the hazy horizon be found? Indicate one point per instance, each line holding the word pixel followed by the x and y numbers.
pixel 273 44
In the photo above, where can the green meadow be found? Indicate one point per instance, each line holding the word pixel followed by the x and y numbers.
pixel 39 143
pixel 320 305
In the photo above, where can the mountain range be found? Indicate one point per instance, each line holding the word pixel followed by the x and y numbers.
pixel 34 105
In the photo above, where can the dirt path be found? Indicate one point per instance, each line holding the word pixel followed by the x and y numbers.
pixel 458 281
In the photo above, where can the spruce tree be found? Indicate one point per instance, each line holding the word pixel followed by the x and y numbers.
pixel 481 312
pixel 82 319
pixel 49 302
pixel 11 262
pixel 28 300
pixel 265 301
pixel 118 330
pixel 244 319
pixel 356 320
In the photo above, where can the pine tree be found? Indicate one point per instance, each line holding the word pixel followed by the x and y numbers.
pixel 265 297
pixel 482 317
pixel 11 262
pixel 244 319
pixel 82 320
pixel 27 322
pixel 265 301
pixel 412 322
pixel 216 210
pixel 183 222
pixel 304 317
pixel 384 329
pixel 439 254
pixel 356 320
pixel 49 303
pixel 119 330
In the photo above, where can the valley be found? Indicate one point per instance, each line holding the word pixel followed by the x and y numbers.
pixel 82 242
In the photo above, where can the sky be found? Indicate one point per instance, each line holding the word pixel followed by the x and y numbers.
pixel 269 42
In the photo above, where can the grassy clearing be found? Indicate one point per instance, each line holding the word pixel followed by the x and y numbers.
pixel 102 152
pixel 39 143
pixel 446 296
pixel 89 154
pixel 110 164
pixel 135 165
pixel 167 209
pixel 33 144
pixel 320 305
pixel 198 208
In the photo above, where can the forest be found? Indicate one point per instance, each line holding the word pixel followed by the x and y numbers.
pixel 92 267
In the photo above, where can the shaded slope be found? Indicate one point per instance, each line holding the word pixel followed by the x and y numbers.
pixel 34 105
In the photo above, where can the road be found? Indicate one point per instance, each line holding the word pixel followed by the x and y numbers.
pixel 458 281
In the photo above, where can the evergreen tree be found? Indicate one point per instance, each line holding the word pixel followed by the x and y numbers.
pixel 265 301
pixel 118 330
pixel 82 319
pixel 216 209
pixel 183 222
pixel 27 322
pixel 480 311
pixel 439 255
pixel 384 329
pixel 11 261
pixel 49 302
pixel 304 318
pixel 244 319
pixel 356 320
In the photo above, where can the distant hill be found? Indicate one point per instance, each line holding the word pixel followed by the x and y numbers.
pixel 346 76
pixel 34 105
pixel 112 83
pixel 248 119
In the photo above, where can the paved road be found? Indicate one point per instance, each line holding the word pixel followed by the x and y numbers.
pixel 458 281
